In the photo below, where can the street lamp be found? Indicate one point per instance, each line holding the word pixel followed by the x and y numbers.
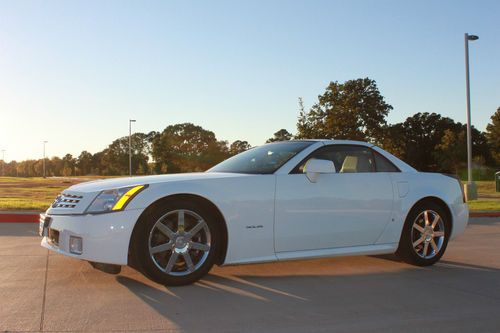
pixel 130 121
pixel 44 158
pixel 3 162
pixel 470 187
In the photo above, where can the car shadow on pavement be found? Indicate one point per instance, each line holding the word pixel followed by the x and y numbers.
pixel 348 300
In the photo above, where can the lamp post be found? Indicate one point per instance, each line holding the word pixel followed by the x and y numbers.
pixel 3 162
pixel 470 187
pixel 44 158
pixel 130 121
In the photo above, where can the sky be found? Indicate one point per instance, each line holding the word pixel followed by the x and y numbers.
pixel 74 72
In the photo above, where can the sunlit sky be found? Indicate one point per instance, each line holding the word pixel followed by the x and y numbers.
pixel 74 72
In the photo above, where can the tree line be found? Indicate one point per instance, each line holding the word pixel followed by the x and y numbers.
pixel 352 110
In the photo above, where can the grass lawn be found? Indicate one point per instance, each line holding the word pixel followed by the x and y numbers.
pixel 486 189
pixel 488 198
pixel 17 193
pixel 37 193
pixel 484 205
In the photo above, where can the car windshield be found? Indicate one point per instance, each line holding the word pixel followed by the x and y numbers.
pixel 265 159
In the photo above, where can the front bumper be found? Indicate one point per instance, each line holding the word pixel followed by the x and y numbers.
pixel 105 237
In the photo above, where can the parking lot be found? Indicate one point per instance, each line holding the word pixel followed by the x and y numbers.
pixel 49 292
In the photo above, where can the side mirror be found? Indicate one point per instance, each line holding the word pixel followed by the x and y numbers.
pixel 315 167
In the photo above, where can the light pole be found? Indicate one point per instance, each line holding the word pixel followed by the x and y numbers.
pixel 3 162
pixel 130 121
pixel 44 158
pixel 470 188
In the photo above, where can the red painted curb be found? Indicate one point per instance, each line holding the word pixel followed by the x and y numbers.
pixel 19 218
pixel 484 214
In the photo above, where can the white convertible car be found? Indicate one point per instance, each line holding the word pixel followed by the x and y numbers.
pixel 280 201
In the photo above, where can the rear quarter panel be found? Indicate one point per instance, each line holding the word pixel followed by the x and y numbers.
pixel 411 187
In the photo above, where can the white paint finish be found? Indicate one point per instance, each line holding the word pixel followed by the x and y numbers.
pixel 403 189
pixel 105 236
pixel 339 210
pixel 243 200
pixel 340 214
pixel 424 185
pixel 342 251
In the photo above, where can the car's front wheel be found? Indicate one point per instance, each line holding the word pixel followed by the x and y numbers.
pixel 176 243
pixel 425 234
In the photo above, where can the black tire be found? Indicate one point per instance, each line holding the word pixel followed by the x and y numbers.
pixel 148 232
pixel 416 255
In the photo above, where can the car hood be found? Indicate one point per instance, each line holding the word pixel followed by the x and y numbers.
pixel 75 199
pixel 106 184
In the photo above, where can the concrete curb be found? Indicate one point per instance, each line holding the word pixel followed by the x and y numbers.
pixel 33 216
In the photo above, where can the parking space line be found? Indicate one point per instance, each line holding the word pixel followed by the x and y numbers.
pixel 44 291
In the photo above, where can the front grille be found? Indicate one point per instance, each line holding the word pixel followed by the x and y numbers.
pixel 65 200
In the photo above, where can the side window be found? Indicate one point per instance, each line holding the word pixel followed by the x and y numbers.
pixel 346 158
pixel 383 164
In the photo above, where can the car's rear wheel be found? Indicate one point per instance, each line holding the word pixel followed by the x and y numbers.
pixel 177 243
pixel 425 234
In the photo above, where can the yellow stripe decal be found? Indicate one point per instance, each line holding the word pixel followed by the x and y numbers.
pixel 126 197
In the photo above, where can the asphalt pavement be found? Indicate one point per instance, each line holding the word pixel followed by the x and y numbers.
pixel 42 291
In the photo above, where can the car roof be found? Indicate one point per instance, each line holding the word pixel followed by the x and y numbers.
pixel 329 141
pixel 403 167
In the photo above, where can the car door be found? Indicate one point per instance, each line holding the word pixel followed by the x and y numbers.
pixel 350 207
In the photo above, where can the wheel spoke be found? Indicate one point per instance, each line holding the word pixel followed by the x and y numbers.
pixel 434 246
pixel 200 225
pixel 438 233
pixel 435 222
pixel 199 246
pixel 189 261
pixel 418 227
pixel 161 248
pixel 426 217
pixel 166 231
pixel 180 221
pixel 418 241
pixel 426 248
pixel 171 262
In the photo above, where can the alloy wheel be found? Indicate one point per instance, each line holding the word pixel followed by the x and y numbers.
pixel 179 242
pixel 427 234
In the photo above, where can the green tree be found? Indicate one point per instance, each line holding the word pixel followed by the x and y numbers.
pixel 493 136
pixel 281 135
pixel 114 160
pixel 56 166
pixel 422 133
pixel 84 163
pixel 393 140
pixel 97 166
pixel 430 142
pixel 238 146
pixel 353 110
pixel 186 148
pixel 451 152
pixel 69 165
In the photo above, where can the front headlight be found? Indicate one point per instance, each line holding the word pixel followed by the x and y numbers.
pixel 114 200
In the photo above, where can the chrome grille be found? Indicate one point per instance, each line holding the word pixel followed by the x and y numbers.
pixel 65 200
